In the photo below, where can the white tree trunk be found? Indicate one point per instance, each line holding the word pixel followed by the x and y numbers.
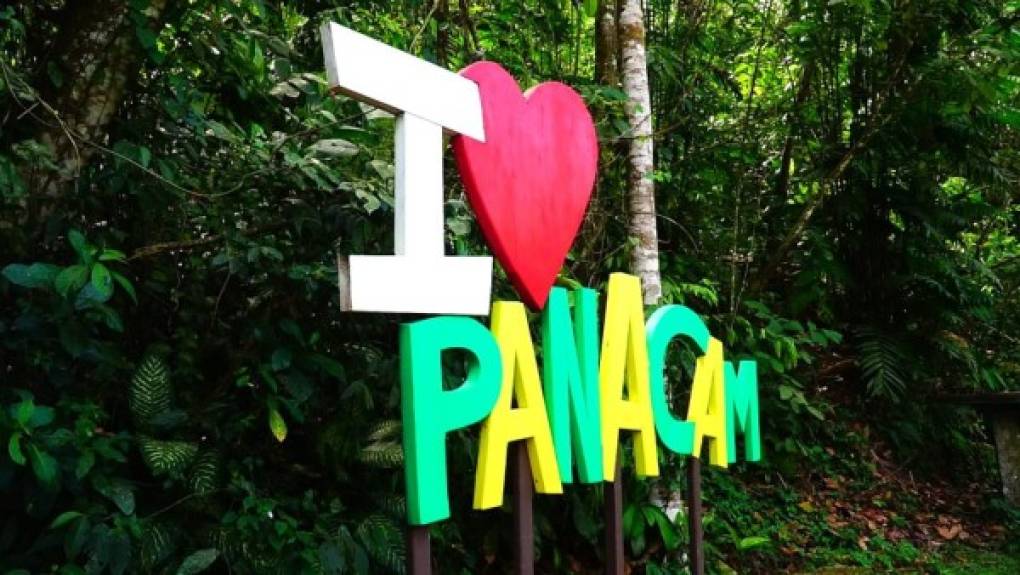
pixel 645 256
pixel 100 56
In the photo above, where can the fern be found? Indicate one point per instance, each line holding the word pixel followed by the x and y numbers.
pixel 383 452
pixel 383 455
pixel 881 361
pixel 150 392
pixel 393 505
pixel 386 429
pixel 205 473
pixel 167 458
pixel 383 539
pixel 156 546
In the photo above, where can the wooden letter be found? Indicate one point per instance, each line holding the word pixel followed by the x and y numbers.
pixel 666 323
pixel 742 410
pixel 506 423
pixel 419 278
pixel 708 404
pixel 571 368
pixel 430 413
pixel 625 363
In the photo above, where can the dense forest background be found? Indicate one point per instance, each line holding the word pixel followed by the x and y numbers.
pixel 836 190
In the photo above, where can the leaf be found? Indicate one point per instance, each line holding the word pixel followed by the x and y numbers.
pixel 64 518
pixel 85 464
pixel 157 544
pixel 949 532
pixel 277 425
pixel 334 147
pixel 72 278
pixel 281 359
pixel 24 410
pixel 41 417
pixel 204 473
pixel 37 275
pixel 77 241
pixel 76 537
pixel 198 561
pixel 90 298
pixel 144 157
pixel 171 458
pixel 384 541
pixel 43 465
pixel 284 90
pixel 119 492
pixel 126 285
pixel 102 281
pixel 383 455
pixel 109 255
pixel 150 392
pixel 14 449
pixel 748 543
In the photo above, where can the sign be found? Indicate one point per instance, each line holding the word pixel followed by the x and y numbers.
pixel 528 162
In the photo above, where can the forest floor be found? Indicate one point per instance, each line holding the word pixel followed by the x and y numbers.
pixel 861 510
pixel 959 560
pixel 906 524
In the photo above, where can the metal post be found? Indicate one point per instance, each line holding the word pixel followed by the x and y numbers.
pixel 613 507
pixel 697 553
pixel 419 550
pixel 524 527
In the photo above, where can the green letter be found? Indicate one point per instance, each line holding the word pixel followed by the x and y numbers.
pixel 666 323
pixel 742 410
pixel 570 361
pixel 430 413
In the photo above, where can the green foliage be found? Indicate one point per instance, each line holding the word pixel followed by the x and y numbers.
pixel 150 392
pixel 180 392
pixel 881 363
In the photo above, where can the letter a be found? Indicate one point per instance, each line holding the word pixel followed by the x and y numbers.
pixel 625 366
pixel 527 421
pixel 708 404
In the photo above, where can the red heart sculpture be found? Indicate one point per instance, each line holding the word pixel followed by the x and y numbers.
pixel 530 181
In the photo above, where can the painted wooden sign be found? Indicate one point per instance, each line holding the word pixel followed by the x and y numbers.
pixel 529 181
pixel 528 162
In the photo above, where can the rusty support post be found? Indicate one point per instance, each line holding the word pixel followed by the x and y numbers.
pixel 697 552
pixel 613 507
pixel 524 526
pixel 419 550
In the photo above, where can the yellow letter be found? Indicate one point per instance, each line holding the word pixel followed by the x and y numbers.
pixel 505 423
pixel 625 361
pixel 708 404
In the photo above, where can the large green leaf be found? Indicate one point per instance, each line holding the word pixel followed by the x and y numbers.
pixel 169 458
pixel 71 279
pixel 43 464
pixel 198 562
pixel 37 275
pixel 150 394
pixel 102 281
pixel 117 491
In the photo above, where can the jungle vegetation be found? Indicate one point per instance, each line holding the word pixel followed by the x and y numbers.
pixel 833 185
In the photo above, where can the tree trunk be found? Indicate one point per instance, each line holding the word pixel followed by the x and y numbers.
pixel 641 226
pixel 607 69
pixel 100 57
pixel 783 176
